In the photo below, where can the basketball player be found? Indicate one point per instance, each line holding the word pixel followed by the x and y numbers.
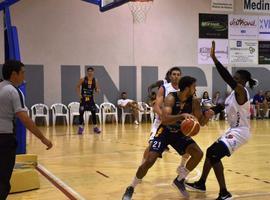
pixel 164 90
pixel 238 112
pixel 176 107
pixel 86 88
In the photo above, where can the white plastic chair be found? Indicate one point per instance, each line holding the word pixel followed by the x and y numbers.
pixel 40 110
pixel 147 110
pixel 88 114
pixel 59 110
pixel 73 111
pixel 124 113
pixel 108 109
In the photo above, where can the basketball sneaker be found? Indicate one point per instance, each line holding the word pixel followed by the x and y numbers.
pixel 136 122
pixel 128 193
pixel 196 187
pixel 180 185
pixel 96 130
pixel 225 196
pixel 80 130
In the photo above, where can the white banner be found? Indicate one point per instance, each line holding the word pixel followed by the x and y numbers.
pixel 243 27
pixel 243 51
pixel 264 28
pixel 222 5
pixel 204 47
pixel 256 6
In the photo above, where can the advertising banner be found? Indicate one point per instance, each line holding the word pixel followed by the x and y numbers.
pixel 243 51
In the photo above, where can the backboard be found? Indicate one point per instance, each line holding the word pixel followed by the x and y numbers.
pixel 105 5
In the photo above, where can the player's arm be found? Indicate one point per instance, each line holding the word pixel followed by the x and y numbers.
pixel 78 87
pixel 167 118
pixel 240 92
pixel 159 101
pixel 203 117
pixel 97 89
pixel 154 85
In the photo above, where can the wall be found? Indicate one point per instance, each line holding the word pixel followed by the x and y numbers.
pixel 62 33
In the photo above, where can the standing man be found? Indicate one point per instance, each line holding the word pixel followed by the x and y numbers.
pixel 86 88
pixel 12 105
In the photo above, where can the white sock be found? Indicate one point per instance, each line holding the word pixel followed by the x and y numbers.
pixel 184 160
pixel 135 182
pixel 182 173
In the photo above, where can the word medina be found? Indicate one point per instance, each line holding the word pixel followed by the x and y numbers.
pixel 256 5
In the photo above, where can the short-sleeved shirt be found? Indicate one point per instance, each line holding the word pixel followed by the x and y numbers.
pixel 11 102
pixel 258 98
pixel 123 102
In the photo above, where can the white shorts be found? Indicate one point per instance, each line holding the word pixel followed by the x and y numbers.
pixel 154 128
pixel 235 138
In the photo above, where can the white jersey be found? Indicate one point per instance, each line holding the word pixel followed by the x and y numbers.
pixel 164 81
pixel 168 88
pixel 237 115
pixel 238 119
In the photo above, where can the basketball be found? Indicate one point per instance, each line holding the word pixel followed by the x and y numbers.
pixel 190 127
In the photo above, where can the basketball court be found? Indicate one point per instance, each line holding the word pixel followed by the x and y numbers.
pixel 98 167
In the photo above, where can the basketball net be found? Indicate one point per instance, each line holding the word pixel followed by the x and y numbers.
pixel 139 9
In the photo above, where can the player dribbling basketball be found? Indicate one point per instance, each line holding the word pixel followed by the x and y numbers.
pixel 168 133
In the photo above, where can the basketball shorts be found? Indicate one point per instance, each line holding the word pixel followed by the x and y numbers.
pixel 165 137
pixel 234 138
pixel 88 105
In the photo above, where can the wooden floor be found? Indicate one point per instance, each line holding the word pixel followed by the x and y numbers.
pixel 80 161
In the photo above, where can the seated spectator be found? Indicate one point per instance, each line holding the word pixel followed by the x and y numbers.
pixel 206 101
pixel 219 101
pixel 260 107
pixel 267 101
pixel 129 104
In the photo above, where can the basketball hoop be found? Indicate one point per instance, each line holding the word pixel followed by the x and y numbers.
pixel 139 9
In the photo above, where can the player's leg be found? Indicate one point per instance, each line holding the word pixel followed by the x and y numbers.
pixel 81 118
pixel 94 117
pixel 156 148
pixel 185 145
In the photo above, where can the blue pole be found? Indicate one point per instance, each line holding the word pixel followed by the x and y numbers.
pixel 12 51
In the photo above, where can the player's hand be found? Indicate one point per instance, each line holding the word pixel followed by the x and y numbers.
pixel 187 116
pixel 47 143
pixel 213 48
pixel 209 113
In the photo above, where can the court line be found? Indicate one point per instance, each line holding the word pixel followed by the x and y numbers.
pixel 102 174
pixel 249 176
pixel 59 184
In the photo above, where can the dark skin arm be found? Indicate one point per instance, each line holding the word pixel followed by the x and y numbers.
pixel 167 118
pixel 240 92
pixel 78 87
pixel 97 89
